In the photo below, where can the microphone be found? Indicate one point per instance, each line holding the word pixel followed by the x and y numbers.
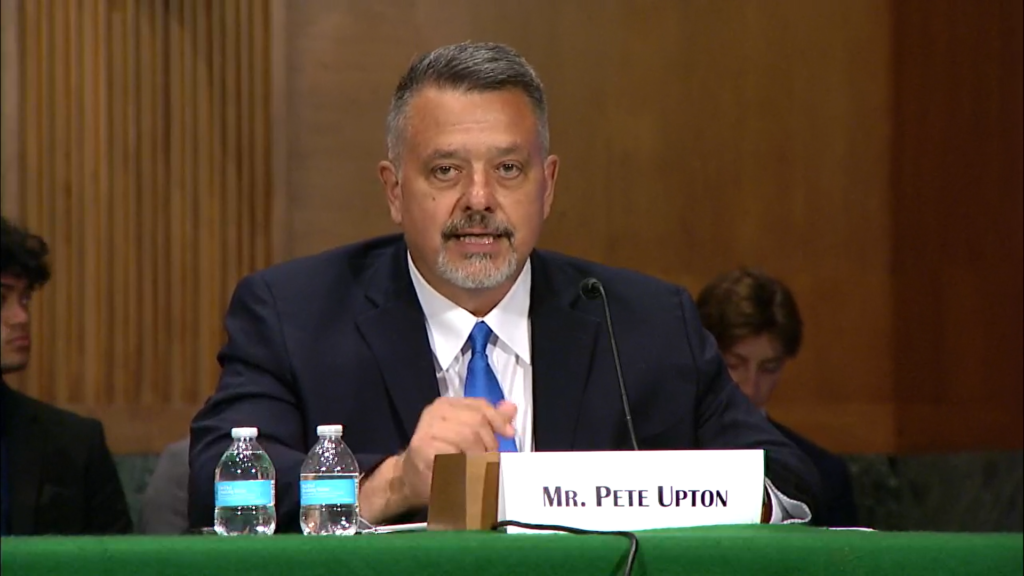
pixel 592 289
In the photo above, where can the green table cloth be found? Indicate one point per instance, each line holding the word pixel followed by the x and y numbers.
pixel 708 551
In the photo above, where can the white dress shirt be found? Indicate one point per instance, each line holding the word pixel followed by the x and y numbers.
pixel 508 351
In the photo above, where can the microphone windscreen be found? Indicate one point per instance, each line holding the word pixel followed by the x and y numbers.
pixel 590 288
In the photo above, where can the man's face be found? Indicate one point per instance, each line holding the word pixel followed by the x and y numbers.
pixel 15 335
pixel 473 186
pixel 756 364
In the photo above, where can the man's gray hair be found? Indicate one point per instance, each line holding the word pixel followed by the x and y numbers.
pixel 466 67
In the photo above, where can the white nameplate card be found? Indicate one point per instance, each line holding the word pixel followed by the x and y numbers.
pixel 632 490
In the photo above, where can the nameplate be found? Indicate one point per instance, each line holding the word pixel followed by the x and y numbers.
pixel 632 490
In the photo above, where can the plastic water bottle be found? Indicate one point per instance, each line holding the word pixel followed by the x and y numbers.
pixel 244 488
pixel 329 486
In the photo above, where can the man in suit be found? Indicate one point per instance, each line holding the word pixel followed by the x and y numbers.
pixel 756 322
pixel 57 475
pixel 459 336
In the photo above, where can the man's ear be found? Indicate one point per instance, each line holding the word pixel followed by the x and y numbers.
pixel 550 177
pixel 388 174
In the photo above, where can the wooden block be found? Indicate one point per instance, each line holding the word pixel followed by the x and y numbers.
pixel 464 492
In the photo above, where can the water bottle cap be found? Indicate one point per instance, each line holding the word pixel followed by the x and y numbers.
pixel 237 433
pixel 329 430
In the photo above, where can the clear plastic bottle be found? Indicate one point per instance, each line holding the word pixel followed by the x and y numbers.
pixel 329 486
pixel 244 488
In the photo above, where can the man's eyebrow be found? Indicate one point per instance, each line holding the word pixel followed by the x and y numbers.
pixel 443 154
pixel 451 153
pixel 507 150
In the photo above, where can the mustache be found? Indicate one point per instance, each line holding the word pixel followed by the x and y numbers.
pixel 484 221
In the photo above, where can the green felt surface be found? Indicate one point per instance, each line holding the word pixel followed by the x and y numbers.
pixel 711 551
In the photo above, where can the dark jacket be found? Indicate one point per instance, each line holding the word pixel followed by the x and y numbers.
pixel 340 337
pixel 61 477
pixel 837 508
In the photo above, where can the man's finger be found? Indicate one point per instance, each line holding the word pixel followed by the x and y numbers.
pixel 465 436
pixel 500 421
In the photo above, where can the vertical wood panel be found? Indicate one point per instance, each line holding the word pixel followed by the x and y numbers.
pixel 244 108
pixel 178 250
pixel 10 118
pixel 132 167
pixel 143 236
pixel 74 183
pixel 186 116
pixel 260 210
pixel 69 306
pixel 206 215
pixel 958 200
pixel 120 166
pixel 280 246
pixel 123 211
pixel 234 237
pixel 157 276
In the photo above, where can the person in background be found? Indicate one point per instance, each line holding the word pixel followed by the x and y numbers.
pixel 756 322
pixel 164 508
pixel 57 475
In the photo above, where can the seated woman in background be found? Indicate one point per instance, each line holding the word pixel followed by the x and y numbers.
pixel 757 325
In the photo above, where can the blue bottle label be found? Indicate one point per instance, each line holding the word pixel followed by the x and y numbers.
pixel 245 493
pixel 319 492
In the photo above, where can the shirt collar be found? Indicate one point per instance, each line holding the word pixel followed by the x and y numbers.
pixel 449 325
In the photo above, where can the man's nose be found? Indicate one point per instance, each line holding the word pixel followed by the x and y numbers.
pixel 480 194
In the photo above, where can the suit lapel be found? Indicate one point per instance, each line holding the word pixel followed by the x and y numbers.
pixel 563 343
pixel 562 347
pixel 25 449
pixel 396 333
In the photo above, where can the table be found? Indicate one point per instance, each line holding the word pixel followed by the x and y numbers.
pixel 706 551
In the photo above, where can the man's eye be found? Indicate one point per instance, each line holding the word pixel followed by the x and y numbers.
pixel 444 172
pixel 509 169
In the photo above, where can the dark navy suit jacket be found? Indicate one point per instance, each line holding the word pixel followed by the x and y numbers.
pixel 837 507
pixel 340 338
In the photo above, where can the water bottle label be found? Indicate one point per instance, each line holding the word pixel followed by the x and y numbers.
pixel 318 492
pixel 245 493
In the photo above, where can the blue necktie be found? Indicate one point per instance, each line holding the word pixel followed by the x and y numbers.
pixel 480 379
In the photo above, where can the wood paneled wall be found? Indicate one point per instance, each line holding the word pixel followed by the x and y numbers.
pixel 958 207
pixel 858 150
pixel 144 159
pixel 694 137
pixel 868 153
